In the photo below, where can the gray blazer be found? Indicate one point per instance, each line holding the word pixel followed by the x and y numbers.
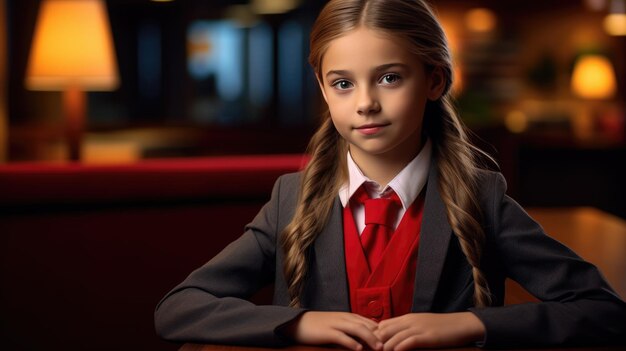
pixel 578 306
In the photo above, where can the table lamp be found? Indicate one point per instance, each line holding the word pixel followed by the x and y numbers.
pixel 593 80
pixel 72 51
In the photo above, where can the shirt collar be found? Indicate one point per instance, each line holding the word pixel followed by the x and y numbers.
pixel 407 184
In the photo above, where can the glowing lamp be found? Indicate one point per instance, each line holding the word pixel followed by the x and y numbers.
pixel 593 78
pixel 481 20
pixel 615 24
pixel 615 21
pixel 72 51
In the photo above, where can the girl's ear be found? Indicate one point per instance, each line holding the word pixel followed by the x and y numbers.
pixel 436 84
pixel 321 84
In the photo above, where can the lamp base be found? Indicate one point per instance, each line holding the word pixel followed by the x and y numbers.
pixel 74 106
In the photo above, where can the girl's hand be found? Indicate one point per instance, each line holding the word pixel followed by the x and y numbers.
pixel 430 330
pixel 341 328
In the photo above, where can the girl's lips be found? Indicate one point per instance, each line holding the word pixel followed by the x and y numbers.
pixel 371 129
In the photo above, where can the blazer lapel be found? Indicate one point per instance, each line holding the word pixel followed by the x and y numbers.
pixel 332 289
pixel 434 240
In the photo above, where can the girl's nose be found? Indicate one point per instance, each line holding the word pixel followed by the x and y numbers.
pixel 367 103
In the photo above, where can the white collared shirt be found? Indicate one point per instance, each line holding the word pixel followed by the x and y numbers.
pixel 407 184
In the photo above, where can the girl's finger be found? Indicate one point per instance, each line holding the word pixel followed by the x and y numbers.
pixel 398 338
pixel 387 330
pixel 372 325
pixel 342 339
pixel 414 341
pixel 361 331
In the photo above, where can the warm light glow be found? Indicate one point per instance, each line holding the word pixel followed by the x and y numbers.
pixel 457 82
pixel 594 78
pixel 615 24
pixel 516 121
pixel 112 152
pixel 480 20
pixel 72 45
pixel 266 7
pixel 450 27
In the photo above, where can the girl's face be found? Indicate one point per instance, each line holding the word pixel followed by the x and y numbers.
pixel 376 91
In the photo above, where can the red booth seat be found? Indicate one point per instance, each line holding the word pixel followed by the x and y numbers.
pixel 86 252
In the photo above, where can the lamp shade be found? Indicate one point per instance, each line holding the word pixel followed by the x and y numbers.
pixel 72 46
pixel 594 78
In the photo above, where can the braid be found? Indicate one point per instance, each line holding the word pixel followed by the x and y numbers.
pixel 456 163
pixel 320 182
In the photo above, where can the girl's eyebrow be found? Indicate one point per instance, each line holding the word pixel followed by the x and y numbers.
pixel 390 65
pixel 339 72
pixel 384 67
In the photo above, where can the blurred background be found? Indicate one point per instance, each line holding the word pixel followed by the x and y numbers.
pixel 138 137
pixel 540 82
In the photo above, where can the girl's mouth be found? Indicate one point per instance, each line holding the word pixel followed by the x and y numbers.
pixel 370 129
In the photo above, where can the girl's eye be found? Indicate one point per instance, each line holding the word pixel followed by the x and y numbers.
pixel 342 85
pixel 390 78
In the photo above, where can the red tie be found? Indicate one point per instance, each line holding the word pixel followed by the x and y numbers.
pixel 380 217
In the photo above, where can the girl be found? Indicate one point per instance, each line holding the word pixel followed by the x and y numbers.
pixel 433 274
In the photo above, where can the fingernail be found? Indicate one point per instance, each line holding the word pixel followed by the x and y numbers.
pixel 379 345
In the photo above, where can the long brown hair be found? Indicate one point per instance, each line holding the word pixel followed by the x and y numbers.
pixel 455 157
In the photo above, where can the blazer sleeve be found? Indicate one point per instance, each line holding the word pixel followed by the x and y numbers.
pixel 578 307
pixel 210 305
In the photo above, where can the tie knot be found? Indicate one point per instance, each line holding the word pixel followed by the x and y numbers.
pixel 380 211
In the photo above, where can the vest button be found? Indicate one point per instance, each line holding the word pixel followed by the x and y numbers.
pixel 375 309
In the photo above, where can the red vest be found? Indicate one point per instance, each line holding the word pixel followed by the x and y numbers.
pixel 388 290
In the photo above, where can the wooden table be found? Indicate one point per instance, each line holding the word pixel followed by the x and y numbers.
pixel 598 237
